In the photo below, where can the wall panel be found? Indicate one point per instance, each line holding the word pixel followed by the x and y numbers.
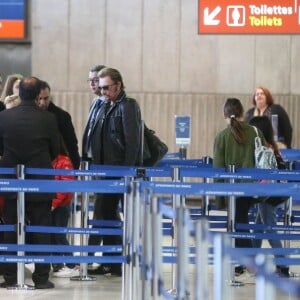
pixel 158 111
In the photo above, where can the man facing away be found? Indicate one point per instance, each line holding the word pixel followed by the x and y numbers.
pixel 64 122
pixel 114 140
pixel 29 136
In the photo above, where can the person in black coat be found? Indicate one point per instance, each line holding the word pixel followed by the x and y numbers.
pixel 264 106
pixel 28 136
pixel 64 122
pixel 113 138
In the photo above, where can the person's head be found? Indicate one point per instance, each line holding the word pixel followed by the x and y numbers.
pixel 110 83
pixel 44 97
pixel 93 79
pixel 262 97
pixel 11 86
pixel 29 89
pixel 11 101
pixel 233 111
pixel 264 124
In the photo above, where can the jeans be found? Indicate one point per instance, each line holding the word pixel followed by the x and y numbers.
pixel 266 214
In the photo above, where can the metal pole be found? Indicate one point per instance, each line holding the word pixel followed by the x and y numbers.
pixel 176 202
pixel 136 240
pixel 205 202
pixel 147 247
pixel 20 172
pixel 157 249
pixel 201 285
pixel 231 223
pixel 83 276
pixel 182 254
pixel 221 266
pixel 127 279
pixel 264 289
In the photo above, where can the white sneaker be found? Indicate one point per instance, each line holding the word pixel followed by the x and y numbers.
pixel 247 277
pixel 29 268
pixel 66 272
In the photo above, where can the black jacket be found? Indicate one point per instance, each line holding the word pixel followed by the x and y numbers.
pixel 284 125
pixel 66 129
pixel 116 135
pixel 28 136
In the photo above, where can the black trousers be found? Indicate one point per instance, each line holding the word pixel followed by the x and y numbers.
pixel 37 213
pixel 106 208
pixel 242 207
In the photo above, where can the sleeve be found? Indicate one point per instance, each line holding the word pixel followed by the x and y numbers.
pixel 131 122
pixel 248 115
pixel 70 139
pixel 285 128
pixel 54 137
pixel 219 152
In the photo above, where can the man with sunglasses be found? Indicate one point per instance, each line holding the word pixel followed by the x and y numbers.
pixel 115 140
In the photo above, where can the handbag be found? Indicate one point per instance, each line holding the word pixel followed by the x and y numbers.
pixel 264 156
pixel 154 149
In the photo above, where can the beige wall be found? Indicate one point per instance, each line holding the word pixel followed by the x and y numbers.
pixel 166 65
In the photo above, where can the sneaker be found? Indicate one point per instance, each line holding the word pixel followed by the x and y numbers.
pixel 247 277
pixel 66 272
pixel 30 268
pixel 108 270
pixel 57 267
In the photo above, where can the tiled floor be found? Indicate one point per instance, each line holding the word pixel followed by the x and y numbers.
pixel 109 288
pixel 105 287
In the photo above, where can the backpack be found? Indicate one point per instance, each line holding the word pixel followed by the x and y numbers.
pixel 154 149
pixel 264 156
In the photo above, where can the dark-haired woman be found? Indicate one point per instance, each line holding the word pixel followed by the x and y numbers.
pixel 235 146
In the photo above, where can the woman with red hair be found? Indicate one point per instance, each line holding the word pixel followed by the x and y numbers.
pixel 264 105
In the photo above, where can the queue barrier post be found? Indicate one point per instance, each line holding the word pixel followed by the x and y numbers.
pixel 177 201
pixel 136 240
pixel 127 279
pixel 157 274
pixel 147 247
pixel 20 172
pixel 231 223
pixel 182 253
pixel 263 288
pixel 201 262
pixel 83 276
pixel 221 267
pixel 205 201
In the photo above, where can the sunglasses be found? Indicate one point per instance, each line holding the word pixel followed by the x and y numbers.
pixel 106 87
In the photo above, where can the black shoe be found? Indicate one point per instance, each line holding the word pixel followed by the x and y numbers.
pixel 239 270
pixel 113 270
pixel 282 271
pixel 5 285
pixel 46 285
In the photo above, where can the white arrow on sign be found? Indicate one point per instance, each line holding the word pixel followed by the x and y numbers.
pixel 209 18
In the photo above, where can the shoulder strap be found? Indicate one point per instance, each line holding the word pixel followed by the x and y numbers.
pixel 256 131
pixel 258 142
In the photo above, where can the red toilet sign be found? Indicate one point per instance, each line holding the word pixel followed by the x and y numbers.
pixel 248 16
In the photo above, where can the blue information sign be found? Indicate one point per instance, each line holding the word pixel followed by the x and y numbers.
pixel 183 130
